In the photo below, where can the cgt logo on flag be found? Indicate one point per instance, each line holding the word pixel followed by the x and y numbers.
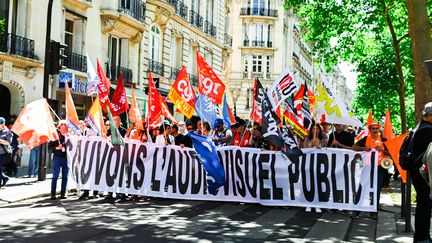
pixel 282 88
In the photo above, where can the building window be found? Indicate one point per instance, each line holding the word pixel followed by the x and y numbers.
pixel 179 52
pixel 249 97
pixel 268 67
pixel 257 63
pixel 245 67
pixel 209 11
pixel 155 44
pixel 208 57
pixel 258 4
pixel 69 35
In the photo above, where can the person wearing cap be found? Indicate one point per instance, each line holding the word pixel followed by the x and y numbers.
pixel 374 140
pixel 59 161
pixel 5 149
pixel 221 136
pixel 421 141
pixel 164 136
pixel 326 128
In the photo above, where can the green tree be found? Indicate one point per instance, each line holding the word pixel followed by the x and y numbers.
pixel 358 26
pixel 2 24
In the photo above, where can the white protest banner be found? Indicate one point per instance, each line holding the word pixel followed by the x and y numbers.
pixel 324 178
pixel 330 105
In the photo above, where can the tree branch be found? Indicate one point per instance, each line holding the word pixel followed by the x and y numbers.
pixel 403 37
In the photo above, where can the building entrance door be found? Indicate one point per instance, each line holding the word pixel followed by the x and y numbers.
pixel 5 101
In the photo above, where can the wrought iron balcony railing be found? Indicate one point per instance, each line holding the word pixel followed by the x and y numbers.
pixel 246 43
pixel 196 19
pixel 227 40
pixel 259 12
pixel 174 73
pixel 113 72
pixel 17 45
pixel 156 67
pixel 210 29
pixel 181 9
pixel 134 8
pixel 76 61
pixel 258 43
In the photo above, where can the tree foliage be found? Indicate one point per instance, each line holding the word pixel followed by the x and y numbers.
pixel 370 34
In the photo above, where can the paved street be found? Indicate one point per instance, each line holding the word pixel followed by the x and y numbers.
pixel 162 220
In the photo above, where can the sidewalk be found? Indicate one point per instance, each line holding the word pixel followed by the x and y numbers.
pixel 21 187
pixel 390 225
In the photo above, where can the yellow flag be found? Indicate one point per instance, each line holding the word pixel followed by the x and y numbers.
pixel 95 118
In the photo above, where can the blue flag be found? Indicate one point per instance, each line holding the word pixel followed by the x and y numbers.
pixel 206 151
pixel 205 109
pixel 226 114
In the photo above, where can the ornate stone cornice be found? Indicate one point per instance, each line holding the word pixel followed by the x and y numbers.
pixel 81 5
pixel 19 61
pixel 122 25
pixel 162 16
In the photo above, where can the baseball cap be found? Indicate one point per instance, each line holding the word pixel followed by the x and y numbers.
pixel 2 120
pixel 427 109
pixel 218 122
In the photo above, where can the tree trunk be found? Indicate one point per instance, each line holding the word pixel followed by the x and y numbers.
pixel 398 62
pixel 421 44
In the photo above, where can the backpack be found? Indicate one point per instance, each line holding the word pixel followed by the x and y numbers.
pixel 406 152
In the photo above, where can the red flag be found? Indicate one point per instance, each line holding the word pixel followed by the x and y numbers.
pixel 119 101
pixel 35 124
pixel 209 84
pixel 256 114
pixel 182 94
pixel 154 103
pixel 388 127
pixel 104 85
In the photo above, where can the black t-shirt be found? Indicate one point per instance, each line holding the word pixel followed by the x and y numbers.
pixel 343 137
pixel 187 141
pixel 178 139
pixel 422 138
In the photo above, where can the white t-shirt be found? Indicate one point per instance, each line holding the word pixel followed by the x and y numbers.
pixel 160 139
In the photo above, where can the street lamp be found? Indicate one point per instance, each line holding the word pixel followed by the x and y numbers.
pixel 235 93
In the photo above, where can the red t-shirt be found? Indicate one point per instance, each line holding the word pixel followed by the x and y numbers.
pixel 245 139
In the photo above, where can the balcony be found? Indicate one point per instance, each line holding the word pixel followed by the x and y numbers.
pixel 262 12
pixel 174 73
pixel 210 29
pixel 83 5
pixel 123 19
pixel 227 40
pixel 17 45
pixel 113 73
pixel 134 8
pixel 258 43
pixel 181 9
pixel 196 19
pixel 156 67
pixel 76 62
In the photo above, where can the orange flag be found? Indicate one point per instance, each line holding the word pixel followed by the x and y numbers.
pixel 35 124
pixel 365 132
pixel 71 114
pixel 393 146
pixel 388 127
pixel 209 84
pixel 182 94
pixel 135 113
pixel 95 118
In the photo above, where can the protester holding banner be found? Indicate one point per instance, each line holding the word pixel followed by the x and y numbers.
pixel 374 141
pixel 176 134
pixel 164 136
pixel 258 140
pixel 59 161
pixel 205 129
pixel 316 138
pixel 221 136
pixel 341 138
pixel 241 135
